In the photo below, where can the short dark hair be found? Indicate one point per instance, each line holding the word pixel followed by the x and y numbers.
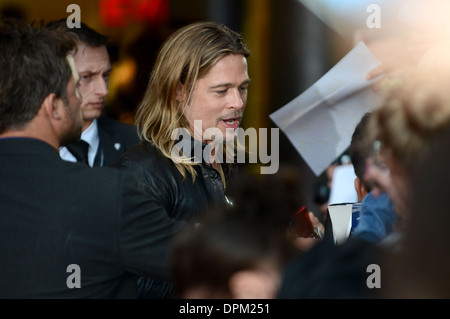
pixel 239 237
pixel 33 65
pixel 85 33
pixel 358 150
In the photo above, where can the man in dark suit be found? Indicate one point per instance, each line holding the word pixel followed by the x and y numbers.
pixel 66 230
pixel 106 138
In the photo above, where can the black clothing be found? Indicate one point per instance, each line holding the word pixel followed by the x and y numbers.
pixel 55 214
pixel 80 150
pixel 115 138
pixel 331 271
pixel 182 198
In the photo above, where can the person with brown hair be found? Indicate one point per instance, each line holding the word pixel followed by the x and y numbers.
pixel 421 269
pixel 413 128
pixel 196 96
pixel 66 230
pixel 103 140
pixel 240 251
pixel 406 128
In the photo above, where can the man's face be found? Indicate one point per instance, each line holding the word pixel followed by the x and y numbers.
pixel 94 69
pixel 219 98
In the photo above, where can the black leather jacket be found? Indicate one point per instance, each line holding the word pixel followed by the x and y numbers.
pixel 158 176
pixel 183 199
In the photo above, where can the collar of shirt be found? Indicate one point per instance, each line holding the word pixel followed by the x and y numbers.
pixel 90 135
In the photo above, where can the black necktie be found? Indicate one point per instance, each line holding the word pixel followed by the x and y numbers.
pixel 98 158
pixel 80 151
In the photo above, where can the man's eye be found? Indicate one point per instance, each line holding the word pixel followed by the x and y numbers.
pixel 221 92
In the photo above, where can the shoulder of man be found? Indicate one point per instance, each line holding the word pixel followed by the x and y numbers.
pixel 113 127
pixel 146 157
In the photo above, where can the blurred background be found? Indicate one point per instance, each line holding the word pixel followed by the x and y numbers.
pixel 293 43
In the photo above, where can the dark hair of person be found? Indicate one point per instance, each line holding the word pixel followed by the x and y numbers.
pixel 252 232
pixel 358 149
pixel 33 64
pixel 85 33
pixel 421 268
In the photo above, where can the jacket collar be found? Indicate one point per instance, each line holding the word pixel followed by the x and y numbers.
pixel 26 145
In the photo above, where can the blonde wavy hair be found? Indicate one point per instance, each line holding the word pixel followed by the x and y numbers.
pixel 412 116
pixel 187 55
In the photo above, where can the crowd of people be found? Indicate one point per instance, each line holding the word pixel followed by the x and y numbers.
pixel 156 212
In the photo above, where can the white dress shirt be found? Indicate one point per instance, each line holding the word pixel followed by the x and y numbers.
pixel 90 135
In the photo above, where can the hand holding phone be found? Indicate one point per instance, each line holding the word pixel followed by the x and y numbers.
pixel 301 225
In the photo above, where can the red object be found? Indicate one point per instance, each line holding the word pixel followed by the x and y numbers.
pixel 301 224
pixel 121 13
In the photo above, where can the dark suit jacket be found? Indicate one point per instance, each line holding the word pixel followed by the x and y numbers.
pixel 115 139
pixel 56 214
pixel 329 271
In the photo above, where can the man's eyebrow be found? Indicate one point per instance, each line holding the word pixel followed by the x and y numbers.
pixel 228 84
pixel 91 72
pixel 220 85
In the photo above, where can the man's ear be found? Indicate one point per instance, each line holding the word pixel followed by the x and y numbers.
pixel 53 106
pixel 360 189
pixel 180 94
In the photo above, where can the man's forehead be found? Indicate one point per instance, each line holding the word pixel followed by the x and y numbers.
pixel 92 59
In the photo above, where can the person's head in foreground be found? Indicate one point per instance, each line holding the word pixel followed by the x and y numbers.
pixel 239 252
pixel 405 129
pixel 39 84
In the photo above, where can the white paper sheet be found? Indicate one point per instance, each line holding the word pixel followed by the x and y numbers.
pixel 320 121
pixel 343 185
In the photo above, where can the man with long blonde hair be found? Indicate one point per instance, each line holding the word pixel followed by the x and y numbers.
pixel 192 107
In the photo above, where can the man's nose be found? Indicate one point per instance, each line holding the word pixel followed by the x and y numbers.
pixel 101 87
pixel 236 99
